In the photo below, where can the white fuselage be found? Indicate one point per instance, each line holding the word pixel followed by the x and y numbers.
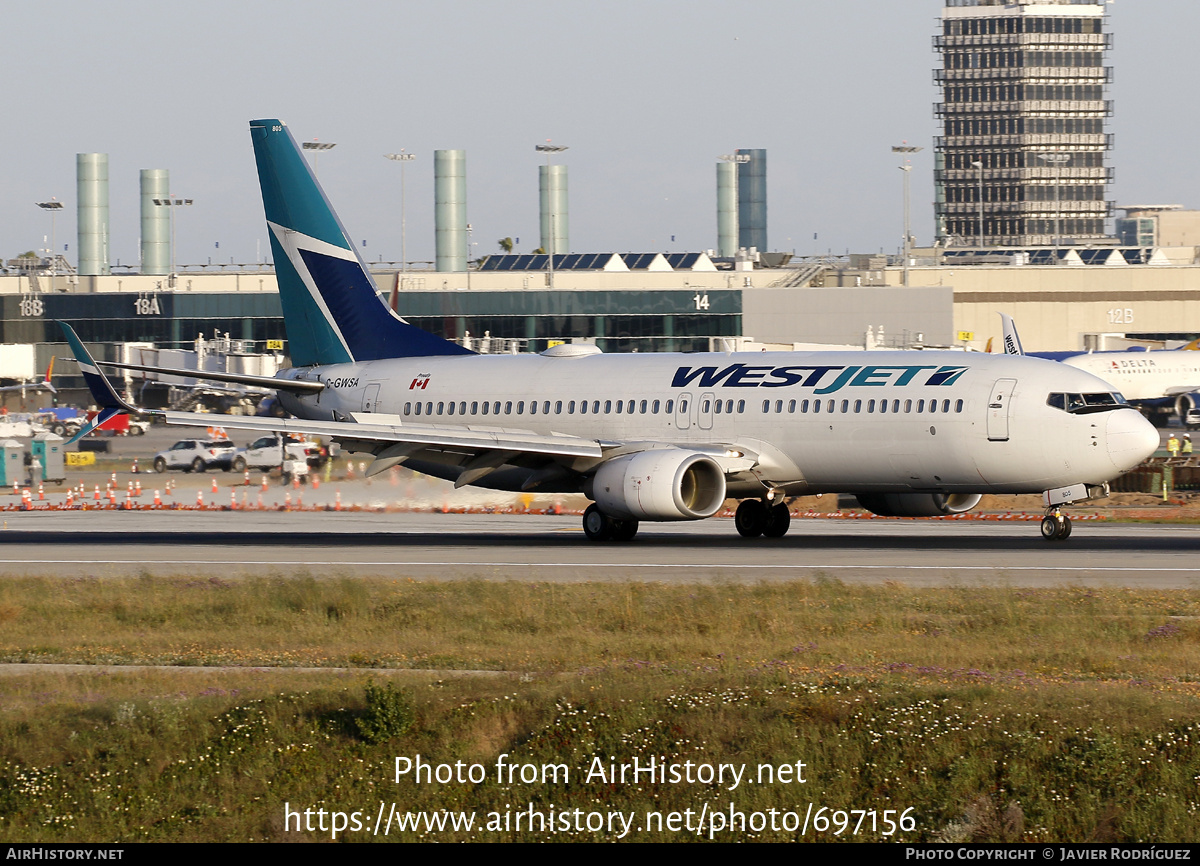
pixel 816 421
pixel 1143 375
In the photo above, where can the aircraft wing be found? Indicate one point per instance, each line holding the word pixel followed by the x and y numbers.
pixel 300 386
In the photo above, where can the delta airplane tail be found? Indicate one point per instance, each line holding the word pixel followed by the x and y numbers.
pixel 331 310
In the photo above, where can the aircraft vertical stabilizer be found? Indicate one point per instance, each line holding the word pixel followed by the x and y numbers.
pixel 331 309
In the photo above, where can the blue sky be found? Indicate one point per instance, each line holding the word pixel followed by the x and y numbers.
pixel 646 95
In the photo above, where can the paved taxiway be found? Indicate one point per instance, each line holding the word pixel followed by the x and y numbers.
pixel 536 547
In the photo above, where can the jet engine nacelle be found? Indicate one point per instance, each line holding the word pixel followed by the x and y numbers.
pixel 917 504
pixel 1185 403
pixel 664 484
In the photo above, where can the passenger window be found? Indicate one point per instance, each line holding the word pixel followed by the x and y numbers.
pixel 870 406
pixel 418 408
pixel 920 405
pixel 462 408
pixel 816 405
pixel 595 407
pixel 450 408
pixel 857 406
pixel 845 406
pixel 883 406
pixel 558 407
pixel 496 408
pixel 583 407
pixel 741 406
pixel 958 407
pixel 908 406
pixel 440 406
pixel 571 408
pixel 778 405
pixel 643 407
pixel 804 406
pixel 683 405
pixel 546 408
pixel 474 407
pixel 945 406
pixel 508 407
pixel 654 407
pixel 408 408
pixel 670 407
pixel 485 407
pixel 521 407
pixel 829 406
pixel 607 407
pixel 792 406
pixel 766 406
pixel 718 407
pixel 620 406
pixel 704 406
pixel 629 408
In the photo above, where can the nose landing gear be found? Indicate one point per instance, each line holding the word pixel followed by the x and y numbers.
pixel 1056 526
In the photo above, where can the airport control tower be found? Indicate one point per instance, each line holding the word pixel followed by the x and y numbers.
pixel 1022 158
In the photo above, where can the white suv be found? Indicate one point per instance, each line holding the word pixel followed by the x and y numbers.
pixel 196 455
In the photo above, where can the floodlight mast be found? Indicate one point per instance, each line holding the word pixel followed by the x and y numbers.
pixel 402 157
pixel 906 167
pixel 317 147
pixel 550 149
pixel 53 206
pixel 172 203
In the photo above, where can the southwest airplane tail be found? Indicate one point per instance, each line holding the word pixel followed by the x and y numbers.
pixel 331 310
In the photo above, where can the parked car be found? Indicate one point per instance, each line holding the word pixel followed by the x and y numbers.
pixel 273 451
pixel 196 455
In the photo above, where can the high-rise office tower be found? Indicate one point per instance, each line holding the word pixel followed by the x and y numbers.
pixel 1022 158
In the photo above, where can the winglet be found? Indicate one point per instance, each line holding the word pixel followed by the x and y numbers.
pixel 49 372
pixel 103 393
pixel 1012 340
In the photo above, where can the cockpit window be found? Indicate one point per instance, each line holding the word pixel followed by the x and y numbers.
pixel 1084 404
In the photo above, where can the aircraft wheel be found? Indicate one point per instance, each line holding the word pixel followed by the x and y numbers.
pixel 1056 527
pixel 160 465
pixel 596 524
pixel 624 530
pixel 750 518
pixel 779 518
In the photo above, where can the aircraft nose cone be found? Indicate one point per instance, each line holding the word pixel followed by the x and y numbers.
pixel 1131 438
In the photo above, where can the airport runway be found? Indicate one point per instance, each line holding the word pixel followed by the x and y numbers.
pixel 425 546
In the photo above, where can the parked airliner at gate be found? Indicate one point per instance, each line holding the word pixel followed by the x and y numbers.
pixel 660 437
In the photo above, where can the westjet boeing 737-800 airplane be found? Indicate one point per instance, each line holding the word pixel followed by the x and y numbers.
pixel 659 436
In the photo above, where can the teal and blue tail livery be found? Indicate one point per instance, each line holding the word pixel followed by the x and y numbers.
pixel 106 398
pixel 331 310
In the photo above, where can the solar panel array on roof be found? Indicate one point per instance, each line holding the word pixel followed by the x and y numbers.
pixel 682 261
pixel 638 261
pixel 540 262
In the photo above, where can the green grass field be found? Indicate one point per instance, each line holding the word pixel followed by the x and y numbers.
pixel 952 714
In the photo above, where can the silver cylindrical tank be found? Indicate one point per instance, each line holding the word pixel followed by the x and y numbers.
pixel 450 209
pixel 555 222
pixel 727 209
pixel 752 199
pixel 91 188
pixel 156 221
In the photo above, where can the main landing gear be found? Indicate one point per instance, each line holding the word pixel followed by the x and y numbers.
pixel 755 517
pixel 1056 526
pixel 598 526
